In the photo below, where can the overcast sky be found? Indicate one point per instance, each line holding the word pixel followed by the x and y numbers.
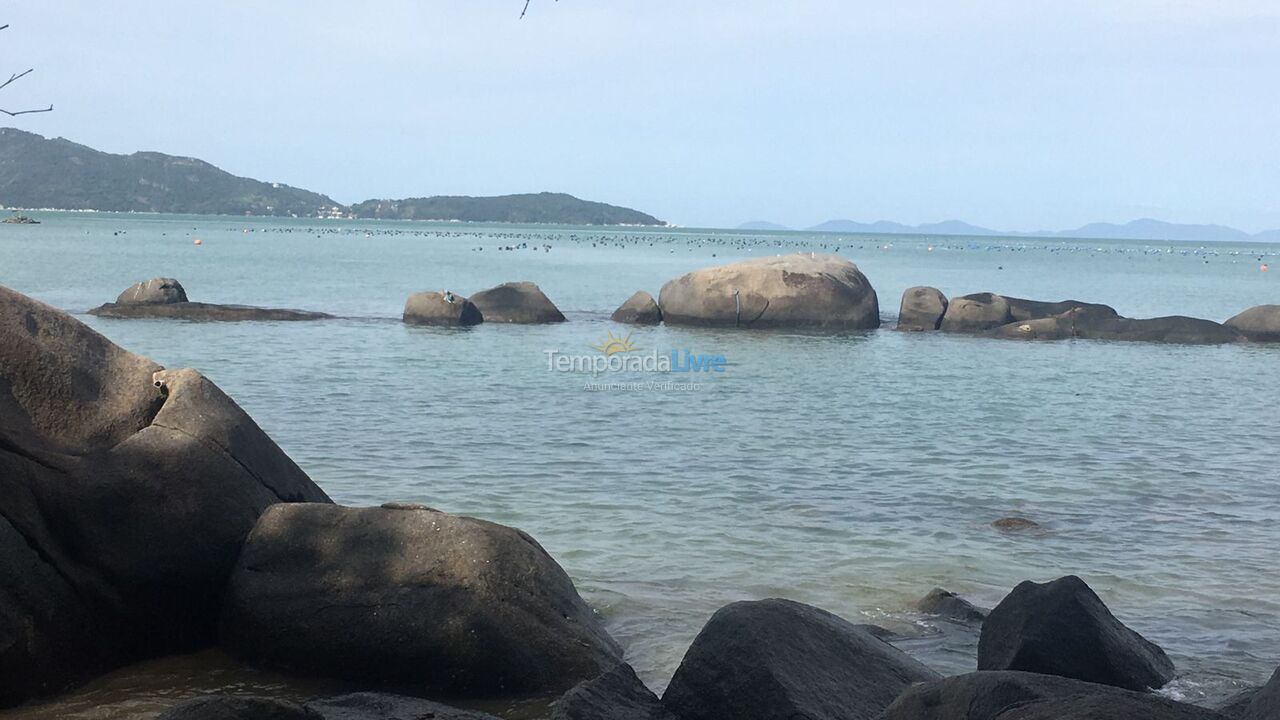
pixel 1014 114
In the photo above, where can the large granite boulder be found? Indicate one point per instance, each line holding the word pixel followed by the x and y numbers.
pixel 976 313
pixel 615 695
pixel 801 290
pixel 126 491
pixel 1265 703
pixel 985 695
pixel 1092 324
pixel 639 309
pixel 441 308
pixel 1259 324
pixel 778 659
pixel 922 309
pixel 1063 628
pixel 156 291
pixel 516 302
pixel 405 596
pixel 1023 309
pixel 1127 706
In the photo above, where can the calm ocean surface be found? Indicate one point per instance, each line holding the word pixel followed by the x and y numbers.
pixel 852 471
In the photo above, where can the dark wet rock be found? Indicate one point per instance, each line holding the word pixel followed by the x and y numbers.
pixel 801 290
pixel 1094 324
pixel 639 309
pixel 985 695
pixel 1063 628
pixel 782 659
pixel 615 695
pixel 231 707
pixel 204 312
pixel 1259 324
pixel 922 309
pixel 516 302
pixel 441 308
pixel 951 606
pixel 126 491
pixel 976 313
pixel 1265 704
pixel 382 706
pixel 156 291
pixel 410 598
pixel 1014 523
pixel 1021 309
pixel 1125 706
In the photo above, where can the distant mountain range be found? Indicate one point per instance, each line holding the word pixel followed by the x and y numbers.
pixel 1144 229
pixel 40 173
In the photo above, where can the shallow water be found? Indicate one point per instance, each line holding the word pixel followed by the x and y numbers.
pixel 854 471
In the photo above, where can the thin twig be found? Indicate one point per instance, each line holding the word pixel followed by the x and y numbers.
pixel 25 112
pixel 522 12
pixel 15 76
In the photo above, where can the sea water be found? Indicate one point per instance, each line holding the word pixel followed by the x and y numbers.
pixel 853 471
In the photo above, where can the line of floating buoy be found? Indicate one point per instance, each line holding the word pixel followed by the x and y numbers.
pixel 1262 267
pixel 197 241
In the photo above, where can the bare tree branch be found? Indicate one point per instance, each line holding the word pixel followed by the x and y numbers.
pixel 522 12
pixel 12 78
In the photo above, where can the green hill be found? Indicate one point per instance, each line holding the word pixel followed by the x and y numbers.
pixel 36 172
pixel 557 208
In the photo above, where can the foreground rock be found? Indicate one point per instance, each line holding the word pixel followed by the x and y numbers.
pixel 516 302
pixel 412 598
pixel 441 308
pixel 639 309
pixel 126 491
pixel 1127 706
pixel 782 659
pixel 922 309
pixel 1063 628
pixel 1259 324
pixel 156 291
pixel 950 605
pixel 357 706
pixel 788 291
pixel 166 298
pixel 1265 703
pixel 615 695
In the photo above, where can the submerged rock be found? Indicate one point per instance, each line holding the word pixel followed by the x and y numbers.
pixel 1093 324
pixel 516 302
pixel 950 605
pixel 782 659
pixel 205 311
pixel 410 598
pixel 1259 324
pixel 1014 523
pixel 615 695
pixel 922 309
pixel 156 291
pixel 441 308
pixel 639 309
pixel 1063 628
pixel 975 313
pixel 789 291
pixel 126 491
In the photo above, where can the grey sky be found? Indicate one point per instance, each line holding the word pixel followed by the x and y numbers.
pixel 1007 113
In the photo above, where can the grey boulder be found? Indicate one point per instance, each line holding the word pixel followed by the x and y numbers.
pixel 922 309
pixel 1062 628
pixel 1093 324
pixel 412 598
pixel 778 659
pixel 976 313
pixel 233 707
pixel 441 308
pixel 156 291
pixel 951 606
pixel 801 290
pixel 639 309
pixel 1259 324
pixel 126 491
pixel 516 302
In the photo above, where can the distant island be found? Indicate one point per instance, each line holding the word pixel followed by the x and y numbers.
pixel 1144 229
pixel 56 174
pixel 546 207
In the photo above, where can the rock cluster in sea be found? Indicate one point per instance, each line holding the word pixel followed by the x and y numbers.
pixel 166 298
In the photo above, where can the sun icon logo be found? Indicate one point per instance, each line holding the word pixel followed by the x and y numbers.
pixel 614 345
